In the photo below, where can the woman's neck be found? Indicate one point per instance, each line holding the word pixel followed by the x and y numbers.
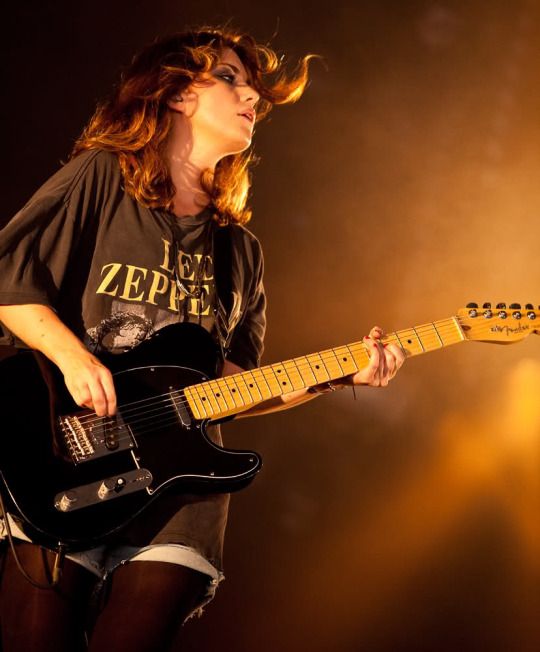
pixel 186 164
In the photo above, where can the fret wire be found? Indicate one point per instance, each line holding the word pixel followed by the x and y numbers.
pixel 252 373
pixel 234 391
pixel 218 394
pixel 307 366
pixel 293 367
pixel 437 333
pixel 325 369
pixel 348 347
pixel 274 377
pixel 296 362
pixel 279 377
pixel 210 398
pixel 419 340
pixel 261 374
pixel 202 409
pixel 193 403
pixel 346 360
pixel 225 388
pixel 332 352
pixel 248 388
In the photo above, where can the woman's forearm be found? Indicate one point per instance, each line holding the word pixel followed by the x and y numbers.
pixel 40 328
pixel 88 381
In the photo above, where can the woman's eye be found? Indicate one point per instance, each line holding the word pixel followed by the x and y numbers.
pixel 226 77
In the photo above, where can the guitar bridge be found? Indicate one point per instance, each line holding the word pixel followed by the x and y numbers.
pixel 89 437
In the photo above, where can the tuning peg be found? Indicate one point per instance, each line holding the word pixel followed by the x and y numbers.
pixel 515 306
pixel 487 305
pixel 501 306
pixel 529 306
pixel 472 305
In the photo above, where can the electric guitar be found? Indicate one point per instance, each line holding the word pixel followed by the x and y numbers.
pixel 77 479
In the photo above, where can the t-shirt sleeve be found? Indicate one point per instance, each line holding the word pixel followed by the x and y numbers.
pixel 38 243
pixel 247 344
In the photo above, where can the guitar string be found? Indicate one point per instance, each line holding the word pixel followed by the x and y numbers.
pixel 172 418
pixel 394 337
pixel 300 367
pixel 108 421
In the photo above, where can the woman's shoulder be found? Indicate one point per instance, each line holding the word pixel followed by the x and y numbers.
pixel 241 233
pixel 95 165
pixel 89 167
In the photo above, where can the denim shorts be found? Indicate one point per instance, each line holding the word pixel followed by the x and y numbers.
pixel 102 560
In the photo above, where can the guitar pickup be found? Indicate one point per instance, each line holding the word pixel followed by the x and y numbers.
pixel 102 490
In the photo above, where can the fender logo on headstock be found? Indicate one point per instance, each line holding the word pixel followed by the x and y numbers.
pixel 509 330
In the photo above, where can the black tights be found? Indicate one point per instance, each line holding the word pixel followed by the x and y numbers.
pixel 142 609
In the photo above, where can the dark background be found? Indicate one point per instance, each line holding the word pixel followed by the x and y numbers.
pixel 402 186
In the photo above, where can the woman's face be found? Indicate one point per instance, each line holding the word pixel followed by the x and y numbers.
pixel 220 108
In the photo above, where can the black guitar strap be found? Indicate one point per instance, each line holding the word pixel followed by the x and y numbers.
pixel 223 274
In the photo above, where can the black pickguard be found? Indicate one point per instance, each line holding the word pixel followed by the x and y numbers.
pixel 165 439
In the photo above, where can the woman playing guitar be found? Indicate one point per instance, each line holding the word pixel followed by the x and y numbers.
pixel 123 241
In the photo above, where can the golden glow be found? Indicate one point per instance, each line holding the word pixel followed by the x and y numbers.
pixel 488 456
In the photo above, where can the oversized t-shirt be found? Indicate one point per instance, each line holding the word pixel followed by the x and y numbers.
pixel 115 272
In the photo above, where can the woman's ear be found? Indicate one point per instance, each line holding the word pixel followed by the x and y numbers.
pixel 176 103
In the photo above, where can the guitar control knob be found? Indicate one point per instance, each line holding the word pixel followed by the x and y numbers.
pixel 515 306
pixel 66 501
pixel 501 306
pixel 109 486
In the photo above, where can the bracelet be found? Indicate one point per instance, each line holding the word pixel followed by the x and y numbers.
pixel 324 388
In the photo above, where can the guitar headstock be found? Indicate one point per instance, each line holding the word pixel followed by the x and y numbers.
pixel 500 324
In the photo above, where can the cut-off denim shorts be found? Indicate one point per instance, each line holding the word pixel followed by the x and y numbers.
pixel 102 560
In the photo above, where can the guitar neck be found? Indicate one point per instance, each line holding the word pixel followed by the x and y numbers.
pixel 229 395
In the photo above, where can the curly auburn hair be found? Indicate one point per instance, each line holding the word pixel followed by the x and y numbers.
pixel 135 122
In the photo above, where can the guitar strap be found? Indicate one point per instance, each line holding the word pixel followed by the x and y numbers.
pixel 223 273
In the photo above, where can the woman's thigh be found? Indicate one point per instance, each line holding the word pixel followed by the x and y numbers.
pixel 145 604
pixel 42 620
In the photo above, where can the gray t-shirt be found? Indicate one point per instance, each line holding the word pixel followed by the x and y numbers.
pixel 116 272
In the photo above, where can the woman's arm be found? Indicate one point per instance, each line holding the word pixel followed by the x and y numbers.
pixel 384 363
pixel 88 381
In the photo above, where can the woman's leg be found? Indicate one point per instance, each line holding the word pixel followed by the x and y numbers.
pixel 42 620
pixel 145 604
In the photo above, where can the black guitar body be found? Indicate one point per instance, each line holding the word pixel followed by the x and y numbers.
pixel 78 479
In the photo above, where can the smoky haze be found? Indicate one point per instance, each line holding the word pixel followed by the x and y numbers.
pixel 403 185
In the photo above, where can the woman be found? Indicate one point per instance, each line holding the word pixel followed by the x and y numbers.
pixel 119 243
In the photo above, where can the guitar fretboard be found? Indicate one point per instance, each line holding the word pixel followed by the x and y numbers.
pixel 215 399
